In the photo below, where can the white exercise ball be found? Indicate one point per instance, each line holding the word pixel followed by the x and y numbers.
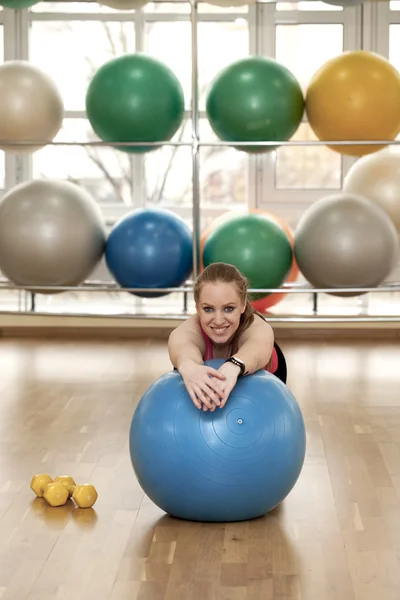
pixel 377 177
pixel 31 106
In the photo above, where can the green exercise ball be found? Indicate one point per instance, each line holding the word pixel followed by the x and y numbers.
pixel 256 245
pixel 255 99
pixel 17 4
pixel 135 98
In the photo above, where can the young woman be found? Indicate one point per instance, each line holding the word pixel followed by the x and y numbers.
pixel 224 326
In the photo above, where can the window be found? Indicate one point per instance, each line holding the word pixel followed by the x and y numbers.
pixel 70 40
pixel 295 48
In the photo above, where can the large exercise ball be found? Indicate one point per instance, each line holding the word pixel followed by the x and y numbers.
pixel 344 241
pixel 31 107
pixel 150 248
pixel 52 233
pixel 255 99
pixel 352 97
pixel 232 464
pixel 18 4
pixel 256 245
pixel 135 98
pixel 377 177
pixel 263 303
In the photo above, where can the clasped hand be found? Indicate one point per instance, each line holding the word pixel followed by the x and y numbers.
pixel 209 388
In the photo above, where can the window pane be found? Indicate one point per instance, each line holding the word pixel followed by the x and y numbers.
pixel 171 44
pixel 204 7
pixel 223 174
pixel 306 6
pixel 395 5
pixel 78 49
pixel 295 48
pixel 104 172
pixel 70 7
pixel 307 167
pixel 164 7
pixel 394 45
pixel 305 48
pixel 220 44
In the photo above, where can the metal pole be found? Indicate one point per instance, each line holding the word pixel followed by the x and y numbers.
pixel 195 144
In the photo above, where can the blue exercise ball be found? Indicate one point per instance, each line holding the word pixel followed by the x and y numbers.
pixel 234 464
pixel 150 248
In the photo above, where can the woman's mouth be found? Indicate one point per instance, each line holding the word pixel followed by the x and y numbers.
pixel 220 330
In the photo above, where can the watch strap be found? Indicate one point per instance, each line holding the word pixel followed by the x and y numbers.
pixel 239 363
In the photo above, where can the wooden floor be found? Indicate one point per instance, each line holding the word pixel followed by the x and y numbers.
pixel 65 408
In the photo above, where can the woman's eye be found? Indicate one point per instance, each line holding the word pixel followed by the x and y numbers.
pixel 207 309
pixel 229 308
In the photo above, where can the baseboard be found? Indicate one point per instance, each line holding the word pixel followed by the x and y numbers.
pixel 127 327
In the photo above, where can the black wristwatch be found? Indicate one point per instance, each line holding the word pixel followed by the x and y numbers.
pixel 239 363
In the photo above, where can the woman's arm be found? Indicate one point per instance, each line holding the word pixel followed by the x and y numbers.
pixel 186 349
pixel 255 345
pixel 186 344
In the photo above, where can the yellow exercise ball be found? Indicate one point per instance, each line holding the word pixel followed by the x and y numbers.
pixel 377 177
pixel 355 96
pixel 31 107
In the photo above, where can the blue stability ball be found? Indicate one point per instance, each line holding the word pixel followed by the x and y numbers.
pixel 151 248
pixel 234 464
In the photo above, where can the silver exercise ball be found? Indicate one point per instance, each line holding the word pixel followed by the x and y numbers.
pixel 345 240
pixel 52 233
pixel 377 177
pixel 31 107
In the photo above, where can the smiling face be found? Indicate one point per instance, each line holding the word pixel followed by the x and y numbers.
pixel 219 308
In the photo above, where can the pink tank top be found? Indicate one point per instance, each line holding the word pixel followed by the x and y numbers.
pixel 209 353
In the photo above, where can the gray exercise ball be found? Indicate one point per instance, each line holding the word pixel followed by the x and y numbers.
pixel 345 240
pixel 31 107
pixel 52 233
pixel 377 177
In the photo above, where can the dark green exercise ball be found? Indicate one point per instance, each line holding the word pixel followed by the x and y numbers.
pixel 256 245
pixel 17 4
pixel 255 99
pixel 135 98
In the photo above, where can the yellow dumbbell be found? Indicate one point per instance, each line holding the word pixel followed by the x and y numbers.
pixel 57 491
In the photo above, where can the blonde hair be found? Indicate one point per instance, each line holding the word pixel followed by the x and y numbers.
pixel 226 273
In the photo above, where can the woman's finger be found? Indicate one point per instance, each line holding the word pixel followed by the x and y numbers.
pixel 217 387
pixel 215 373
pixel 213 394
pixel 202 396
pixel 194 398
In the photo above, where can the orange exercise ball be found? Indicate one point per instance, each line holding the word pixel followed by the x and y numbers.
pixel 264 303
pixel 261 304
pixel 355 96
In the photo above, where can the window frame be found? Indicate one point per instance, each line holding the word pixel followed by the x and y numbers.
pixel 262 20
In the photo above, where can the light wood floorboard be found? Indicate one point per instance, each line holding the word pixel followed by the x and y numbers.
pixel 66 408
